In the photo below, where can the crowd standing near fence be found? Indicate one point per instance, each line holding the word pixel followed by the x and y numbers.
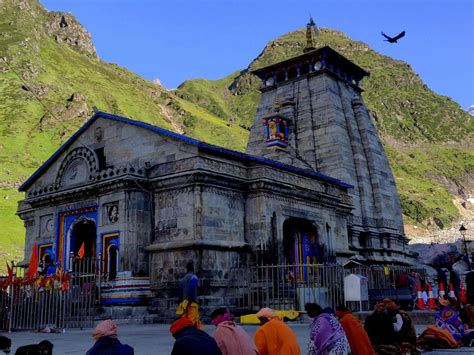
pixel 388 330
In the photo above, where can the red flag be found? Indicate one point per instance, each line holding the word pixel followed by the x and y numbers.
pixel 81 251
pixel 33 266
pixel 10 275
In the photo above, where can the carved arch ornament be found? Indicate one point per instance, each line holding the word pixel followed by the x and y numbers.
pixel 80 165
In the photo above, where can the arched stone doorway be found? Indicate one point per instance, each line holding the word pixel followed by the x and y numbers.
pixel 84 233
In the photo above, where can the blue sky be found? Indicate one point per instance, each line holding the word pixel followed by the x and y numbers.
pixel 177 40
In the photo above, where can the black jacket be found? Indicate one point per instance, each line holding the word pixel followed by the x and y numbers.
pixel 192 341
pixel 110 346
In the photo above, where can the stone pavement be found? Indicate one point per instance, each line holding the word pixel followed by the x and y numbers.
pixel 150 339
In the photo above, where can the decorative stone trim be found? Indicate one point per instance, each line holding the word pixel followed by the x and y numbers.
pixel 83 153
pixel 108 174
pixel 198 244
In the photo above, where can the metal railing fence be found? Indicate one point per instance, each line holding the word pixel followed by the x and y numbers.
pixel 287 287
pixel 60 301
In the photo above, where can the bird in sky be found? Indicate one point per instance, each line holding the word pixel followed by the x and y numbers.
pixel 394 39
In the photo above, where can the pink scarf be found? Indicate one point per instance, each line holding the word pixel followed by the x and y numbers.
pixel 107 328
pixel 219 319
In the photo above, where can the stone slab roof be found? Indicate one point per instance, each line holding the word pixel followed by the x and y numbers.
pixel 202 146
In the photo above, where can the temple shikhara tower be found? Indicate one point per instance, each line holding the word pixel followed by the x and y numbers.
pixel 314 187
pixel 311 115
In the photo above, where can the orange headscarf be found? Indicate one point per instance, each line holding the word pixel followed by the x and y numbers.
pixel 180 324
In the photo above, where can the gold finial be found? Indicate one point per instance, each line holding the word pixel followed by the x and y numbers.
pixel 277 104
pixel 310 28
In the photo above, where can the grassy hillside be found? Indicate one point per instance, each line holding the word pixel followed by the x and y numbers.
pixel 424 134
pixel 49 84
pixel 51 78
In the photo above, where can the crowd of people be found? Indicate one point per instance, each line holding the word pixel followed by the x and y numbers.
pixel 387 330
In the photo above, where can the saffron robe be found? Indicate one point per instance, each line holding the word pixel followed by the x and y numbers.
pixel 356 335
pixel 276 338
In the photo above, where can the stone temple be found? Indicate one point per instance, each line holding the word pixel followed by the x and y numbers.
pixel 314 186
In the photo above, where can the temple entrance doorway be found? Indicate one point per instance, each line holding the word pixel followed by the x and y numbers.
pixel 83 239
pixel 300 245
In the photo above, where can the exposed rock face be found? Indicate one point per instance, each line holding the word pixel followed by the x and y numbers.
pixel 439 255
pixel 64 28
pixel 76 108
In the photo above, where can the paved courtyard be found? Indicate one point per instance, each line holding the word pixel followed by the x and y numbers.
pixel 150 339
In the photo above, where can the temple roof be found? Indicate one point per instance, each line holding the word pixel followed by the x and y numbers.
pixel 330 58
pixel 202 146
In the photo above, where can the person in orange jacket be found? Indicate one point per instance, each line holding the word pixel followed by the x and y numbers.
pixel 274 337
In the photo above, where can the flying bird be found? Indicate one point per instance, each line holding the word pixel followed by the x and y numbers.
pixel 394 39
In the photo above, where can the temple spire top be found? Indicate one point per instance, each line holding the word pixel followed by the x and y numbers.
pixel 311 30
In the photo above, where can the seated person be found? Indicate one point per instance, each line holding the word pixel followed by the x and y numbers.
pixel 231 338
pixel 106 342
pixel 190 340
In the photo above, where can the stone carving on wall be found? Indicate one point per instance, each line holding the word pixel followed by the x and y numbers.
pixel 99 134
pixel 78 166
pixel 225 168
pixel 111 213
pixel 47 224
pixel 76 172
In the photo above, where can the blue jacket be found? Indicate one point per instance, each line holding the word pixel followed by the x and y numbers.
pixel 110 346
pixel 192 341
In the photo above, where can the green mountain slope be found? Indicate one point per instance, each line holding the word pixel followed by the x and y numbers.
pixel 50 80
pixel 426 135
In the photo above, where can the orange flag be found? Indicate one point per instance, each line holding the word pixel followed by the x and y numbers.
pixel 33 266
pixel 81 251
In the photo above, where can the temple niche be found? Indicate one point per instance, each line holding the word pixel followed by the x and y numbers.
pixel 314 187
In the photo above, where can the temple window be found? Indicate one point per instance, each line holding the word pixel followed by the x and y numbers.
pixel 281 76
pixel 276 131
pixel 304 69
pixel 292 72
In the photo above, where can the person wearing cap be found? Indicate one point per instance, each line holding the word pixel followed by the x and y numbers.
pixel 274 337
pixel 231 338
pixel 326 334
pixel 402 323
pixel 188 286
pixel 356 335
pixel 190 340
pixel 380 329
pixel 106 342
